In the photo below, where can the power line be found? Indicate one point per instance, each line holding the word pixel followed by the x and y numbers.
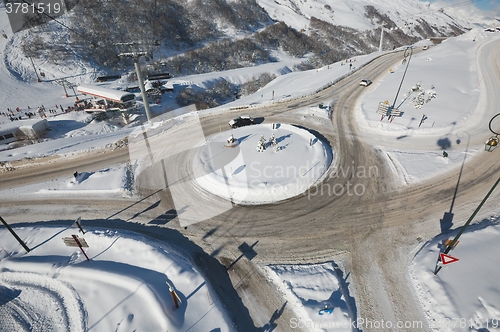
pixel 462 3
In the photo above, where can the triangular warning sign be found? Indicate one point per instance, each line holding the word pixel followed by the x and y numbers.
pixel 447 259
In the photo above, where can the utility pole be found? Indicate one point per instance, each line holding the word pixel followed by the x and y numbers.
pixel 15 235
pixel 136 56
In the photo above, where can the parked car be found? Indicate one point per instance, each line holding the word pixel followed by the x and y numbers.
pixel 241 121
pixel 365 82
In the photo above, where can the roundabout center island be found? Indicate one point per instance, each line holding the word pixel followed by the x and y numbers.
pixel 261 164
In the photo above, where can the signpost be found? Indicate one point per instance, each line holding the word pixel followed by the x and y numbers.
pixel 79 225
pixel 447 259
pixel 75 241
pixel 175 298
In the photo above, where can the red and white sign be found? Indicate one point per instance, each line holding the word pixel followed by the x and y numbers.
pixel 447 259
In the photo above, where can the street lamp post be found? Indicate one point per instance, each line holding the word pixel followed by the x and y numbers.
pixel 21 242
pixel 490 145
pixel 407 54
pixel 493 141
pixel 454 242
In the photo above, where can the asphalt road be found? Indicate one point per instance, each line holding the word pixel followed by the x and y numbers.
pixel 374 234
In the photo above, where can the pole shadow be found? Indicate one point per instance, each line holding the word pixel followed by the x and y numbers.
pixel 271 325
pixel 167 217
pixel 246 251
pixel 8 294
pixel 446 223
pixel 151 207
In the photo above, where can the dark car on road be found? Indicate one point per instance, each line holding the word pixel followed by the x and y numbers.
pixel 241 121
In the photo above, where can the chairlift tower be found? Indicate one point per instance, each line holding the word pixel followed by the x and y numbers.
pixel 382 26
pixel 136 56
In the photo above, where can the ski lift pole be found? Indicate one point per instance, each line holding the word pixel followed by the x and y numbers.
pixel 141 87
pixel 135 56
pixel 36 72
pixel 462 230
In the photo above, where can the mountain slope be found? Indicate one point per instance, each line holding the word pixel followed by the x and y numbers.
pixel 199 36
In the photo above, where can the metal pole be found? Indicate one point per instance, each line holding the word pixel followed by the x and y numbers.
pixel 36 73
pixel 80 246
pixel 141 86
pixel 381 38
pixel 15 235
pixel 404 74
pixel 455 240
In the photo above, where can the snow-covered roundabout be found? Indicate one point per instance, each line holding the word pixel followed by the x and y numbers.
pixel 262 163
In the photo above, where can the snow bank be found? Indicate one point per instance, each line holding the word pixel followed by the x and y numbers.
pixel 122 287
pixel 465 295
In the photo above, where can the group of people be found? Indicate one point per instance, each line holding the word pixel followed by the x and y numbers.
pixel 23 114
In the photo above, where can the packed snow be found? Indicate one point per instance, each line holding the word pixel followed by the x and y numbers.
pixel 116 181
pixel 318 294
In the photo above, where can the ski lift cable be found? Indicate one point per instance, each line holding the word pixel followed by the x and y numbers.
pixel 62 24
pixel 462 3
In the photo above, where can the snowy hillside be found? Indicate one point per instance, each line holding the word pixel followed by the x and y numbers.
pixel 228 35
pixel 406 15
pixel 297 13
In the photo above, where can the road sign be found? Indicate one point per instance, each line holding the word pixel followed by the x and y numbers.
pixel 72 241
pixel 75 241
pixel 447 259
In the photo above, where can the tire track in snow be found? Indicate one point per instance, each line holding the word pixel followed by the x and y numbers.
pixel 43 304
